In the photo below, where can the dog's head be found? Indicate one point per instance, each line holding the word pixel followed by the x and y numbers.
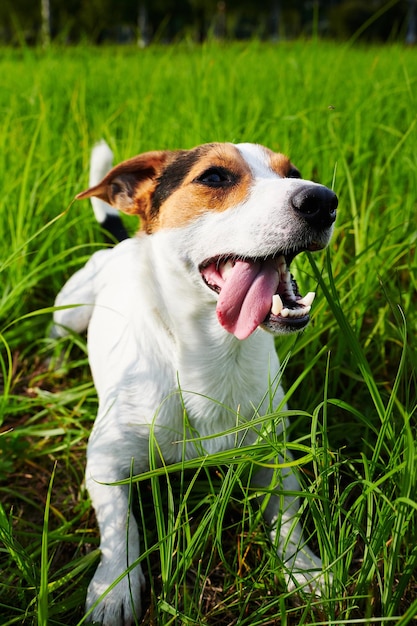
pixel 247 214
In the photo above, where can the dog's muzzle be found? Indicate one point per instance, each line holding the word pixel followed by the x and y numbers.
pixel 261 291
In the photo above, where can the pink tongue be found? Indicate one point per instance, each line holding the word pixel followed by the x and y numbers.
pixel 245 298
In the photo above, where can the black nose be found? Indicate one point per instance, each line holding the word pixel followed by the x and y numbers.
pixel 316 204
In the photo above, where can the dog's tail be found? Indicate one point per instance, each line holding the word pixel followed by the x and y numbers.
pixel 108 217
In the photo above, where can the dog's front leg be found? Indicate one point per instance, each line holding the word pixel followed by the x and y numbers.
pixel 302 567
pixel 119 542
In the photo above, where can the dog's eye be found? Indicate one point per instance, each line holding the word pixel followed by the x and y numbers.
pixel 293 173
pixel 216 177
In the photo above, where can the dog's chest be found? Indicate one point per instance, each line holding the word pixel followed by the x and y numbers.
pixel 224 386
pixel 167 365
pixel 209 402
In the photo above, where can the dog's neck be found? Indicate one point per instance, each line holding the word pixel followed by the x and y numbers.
pixel 206 357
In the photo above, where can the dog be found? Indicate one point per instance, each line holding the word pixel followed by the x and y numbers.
pixel 182 317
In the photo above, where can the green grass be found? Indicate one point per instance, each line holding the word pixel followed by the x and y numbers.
pixel 347 117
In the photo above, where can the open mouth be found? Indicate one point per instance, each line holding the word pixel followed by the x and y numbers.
pixel 257 292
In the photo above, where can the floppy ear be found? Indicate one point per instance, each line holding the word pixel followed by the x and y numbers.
pixel 130 185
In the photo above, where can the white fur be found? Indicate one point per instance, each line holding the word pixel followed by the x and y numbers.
pixel 151 327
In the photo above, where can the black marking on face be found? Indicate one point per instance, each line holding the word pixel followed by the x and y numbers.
pixel 174 174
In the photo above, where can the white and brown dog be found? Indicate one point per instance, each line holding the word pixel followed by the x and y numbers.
pixel 183 316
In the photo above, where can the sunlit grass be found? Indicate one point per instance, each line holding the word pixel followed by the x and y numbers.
pixel 347 117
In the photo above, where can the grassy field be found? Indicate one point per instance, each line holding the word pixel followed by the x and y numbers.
pixel 347 117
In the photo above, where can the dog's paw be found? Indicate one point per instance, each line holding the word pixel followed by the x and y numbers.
pixel 122 605
pixel 306 574
pixel 312 582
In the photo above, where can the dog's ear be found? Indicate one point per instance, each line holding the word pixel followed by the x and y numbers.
pixel 130 185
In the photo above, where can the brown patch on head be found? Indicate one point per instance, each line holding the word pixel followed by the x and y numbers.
pixel 169 189
pixel 281 164
pixel 212 177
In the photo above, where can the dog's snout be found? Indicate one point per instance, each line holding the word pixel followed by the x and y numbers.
pixel 316 204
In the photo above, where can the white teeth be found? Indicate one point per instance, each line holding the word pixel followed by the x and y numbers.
pixel 226 269
pixel 277 305
pixel 295 312
pixel 308 299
